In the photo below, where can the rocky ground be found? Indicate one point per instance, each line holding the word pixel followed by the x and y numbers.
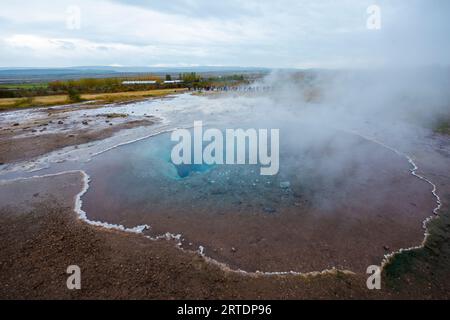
pixel 30 133
pixel 40 236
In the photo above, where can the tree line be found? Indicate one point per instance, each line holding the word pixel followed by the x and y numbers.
pixel 111 85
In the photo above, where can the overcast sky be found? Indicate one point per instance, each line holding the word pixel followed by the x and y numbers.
pixel 294 34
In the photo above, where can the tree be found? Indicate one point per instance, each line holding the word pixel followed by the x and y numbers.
pixel 74 96
pixel 190 77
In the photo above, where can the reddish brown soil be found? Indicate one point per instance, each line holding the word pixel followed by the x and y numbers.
pixel 15 149
pixel 366 218
pixel 40 236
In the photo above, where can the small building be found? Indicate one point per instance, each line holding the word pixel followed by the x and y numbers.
pixel 173 81
pixel 134 82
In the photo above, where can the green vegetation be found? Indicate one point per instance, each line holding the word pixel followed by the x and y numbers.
pixel 443 127
pixel 107 85
pixel 74 96
pixel 20 86
pixel 113 85
pixel 234 77
pixel 193 80
pixel 401 265
pixel 415 265
pixel 82 86
pixel 105 90
pixel 25 90
pixel 18 103
pixel 190 78
pixel 117 97
pixel 406 267
pixel 23 103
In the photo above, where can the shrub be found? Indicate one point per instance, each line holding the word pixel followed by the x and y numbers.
pixel 74 96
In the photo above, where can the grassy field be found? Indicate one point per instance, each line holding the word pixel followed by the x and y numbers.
pixel 44 101
pixel 42 85
pixel 443 127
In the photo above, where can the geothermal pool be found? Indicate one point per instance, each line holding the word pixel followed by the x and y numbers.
pixel 338 200
pixel 303 219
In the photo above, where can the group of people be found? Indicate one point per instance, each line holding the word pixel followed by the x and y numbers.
pixel 235 88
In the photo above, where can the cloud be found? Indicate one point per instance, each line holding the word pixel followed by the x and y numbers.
pixel 230 9
pixel 302 33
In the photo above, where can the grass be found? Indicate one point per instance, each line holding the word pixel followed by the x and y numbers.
pixel 417 264
pixel 41 85
pixel 18 103
pixel 23 102
pixel 443 127
pixel 45 101
pixel 129 96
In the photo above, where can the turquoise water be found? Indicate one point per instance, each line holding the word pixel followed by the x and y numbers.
pixel 322 200
pixel 140 177
pixel 185 170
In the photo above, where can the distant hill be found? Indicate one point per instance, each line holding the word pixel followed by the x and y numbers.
pixel 173 69
pixel 20 75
